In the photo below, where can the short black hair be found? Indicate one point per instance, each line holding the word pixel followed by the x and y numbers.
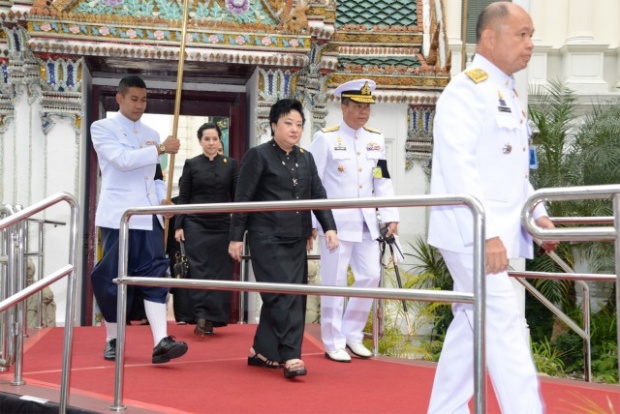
pixel 284 107
pixel 209 125
pixel 489 15
pixel 130 81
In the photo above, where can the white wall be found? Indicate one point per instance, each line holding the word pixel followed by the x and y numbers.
pixel 37 166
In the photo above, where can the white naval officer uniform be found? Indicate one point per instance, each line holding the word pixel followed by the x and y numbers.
pixel 481 148
pixel 345 160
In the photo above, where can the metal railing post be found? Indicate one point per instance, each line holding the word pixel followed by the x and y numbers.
pixel 587 342
pixel 5 234
pixel 616 209
pixel 9 356
pixel 479 309
pixel 377 316
pixel 121 316
pixel 243 277
pixel 72 280
pixel 20 317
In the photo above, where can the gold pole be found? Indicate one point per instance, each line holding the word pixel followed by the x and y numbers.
pixel 464 35
pixel 177 108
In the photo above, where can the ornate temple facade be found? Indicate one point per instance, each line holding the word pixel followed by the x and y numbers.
pixel 62 59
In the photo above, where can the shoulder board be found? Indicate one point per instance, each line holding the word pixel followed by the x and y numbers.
pixel 331 128
pixel 477 75
pixel 374 131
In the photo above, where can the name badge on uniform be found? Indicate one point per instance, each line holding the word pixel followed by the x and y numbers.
pixel 533 157
pixel 502 103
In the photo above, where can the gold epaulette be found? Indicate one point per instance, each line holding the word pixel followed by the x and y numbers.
pixel 331 128
pixel 477 75
pixel 374 131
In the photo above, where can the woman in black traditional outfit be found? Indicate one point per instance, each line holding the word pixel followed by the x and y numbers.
pixel 207 178
pixel 276 171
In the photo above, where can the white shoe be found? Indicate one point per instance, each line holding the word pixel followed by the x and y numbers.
pixel 359 350
pixel 339 355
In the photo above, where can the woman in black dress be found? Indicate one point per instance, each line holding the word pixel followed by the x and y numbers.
pixel 274 171
pixel 207 178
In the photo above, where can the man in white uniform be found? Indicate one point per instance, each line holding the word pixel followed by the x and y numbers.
pixel 128 152
pixel 350 160
pixel 481 148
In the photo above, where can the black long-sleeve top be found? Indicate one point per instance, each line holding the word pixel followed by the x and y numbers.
pixel 269 174
pixel 208 181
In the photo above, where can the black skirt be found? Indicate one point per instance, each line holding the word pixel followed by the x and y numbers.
pixel 207 252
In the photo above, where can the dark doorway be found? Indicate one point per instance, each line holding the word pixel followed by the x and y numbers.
pixel 231 105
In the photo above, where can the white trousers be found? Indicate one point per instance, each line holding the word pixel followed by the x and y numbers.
pixel 340 324
pixel 508 356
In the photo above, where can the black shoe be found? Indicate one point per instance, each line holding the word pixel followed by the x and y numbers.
pixel 203 327
pixel 168 349
pixel 109 354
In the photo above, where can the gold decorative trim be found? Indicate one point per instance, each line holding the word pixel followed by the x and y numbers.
pixel 396 39
pixel 394 82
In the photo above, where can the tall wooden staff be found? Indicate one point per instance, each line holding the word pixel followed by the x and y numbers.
pixel 464 34
pixel 177 110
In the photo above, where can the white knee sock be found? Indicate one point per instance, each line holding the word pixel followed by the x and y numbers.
pixel 110 330
pixel 156 314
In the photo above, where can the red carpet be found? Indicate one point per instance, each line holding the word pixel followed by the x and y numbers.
pixel 214 377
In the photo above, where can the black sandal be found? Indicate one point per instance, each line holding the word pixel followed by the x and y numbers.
pixel 259 360
pixel 295 369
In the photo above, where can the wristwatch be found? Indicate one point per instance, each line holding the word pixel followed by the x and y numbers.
pixel 161 149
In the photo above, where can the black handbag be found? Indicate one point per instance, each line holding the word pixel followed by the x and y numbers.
pixel 181 265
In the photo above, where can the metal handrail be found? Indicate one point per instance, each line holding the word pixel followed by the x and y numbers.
pixel 67 270
pixel 598 192
pixel 40 260
pixel 593 277
pixel 582 220
pixel 476 298
pixel 7 319
pixel 606 233
pixel 584 332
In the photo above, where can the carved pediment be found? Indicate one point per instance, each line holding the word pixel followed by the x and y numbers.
pixel 259 14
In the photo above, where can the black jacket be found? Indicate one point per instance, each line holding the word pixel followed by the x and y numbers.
pixel 267 174
pixel 204 181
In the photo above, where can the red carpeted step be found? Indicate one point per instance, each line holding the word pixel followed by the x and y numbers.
pixel 214 376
